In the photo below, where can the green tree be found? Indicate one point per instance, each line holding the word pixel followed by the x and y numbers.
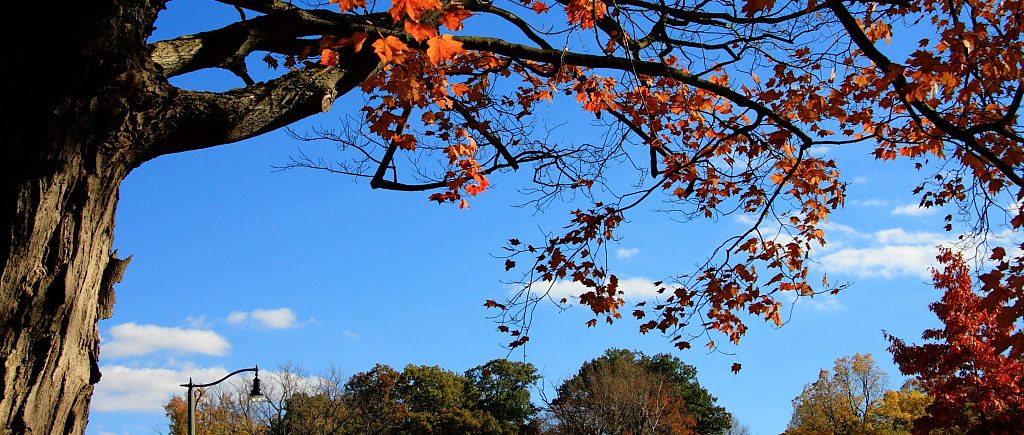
pixel 628 392
pixel 502 389
pixel 376 400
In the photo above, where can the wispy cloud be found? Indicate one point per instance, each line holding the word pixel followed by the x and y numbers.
pixel 626 252
pixel 636 288
pixel 276 318
pixel 887 253
pixel 873 202
pixel 913 210
pixel 821 302
pixel 147 389
pixel 132 339
pixel 124 388
pixel 882 262
pixel 899 236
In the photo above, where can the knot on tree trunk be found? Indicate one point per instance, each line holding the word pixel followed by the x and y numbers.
pixel 112 274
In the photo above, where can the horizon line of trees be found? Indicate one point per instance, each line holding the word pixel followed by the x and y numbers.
pixel 620 392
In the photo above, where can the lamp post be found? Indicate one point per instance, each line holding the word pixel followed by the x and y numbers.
pixel 254 395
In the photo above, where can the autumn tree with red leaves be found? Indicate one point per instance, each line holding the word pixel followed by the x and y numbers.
pixel 713 105
pixel 975 385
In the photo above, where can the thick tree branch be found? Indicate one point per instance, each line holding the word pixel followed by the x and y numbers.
pixel 278 33
pixel 654 69
pixel 900 84
pixel 204 119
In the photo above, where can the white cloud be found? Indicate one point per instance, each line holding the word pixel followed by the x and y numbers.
pixel 280 318
pixel 125 388
pixel 745 219
pixel 237 317
pixel 874 202
pixel 626 253
pixel 860 179
pixel 820 150
pixel 277 318
pixel 899 236
pixel 636 288
pixel 834 228
pixel 882 262
pixel 197 322
pixel 147 389
pixel 912 210
pixel 131 339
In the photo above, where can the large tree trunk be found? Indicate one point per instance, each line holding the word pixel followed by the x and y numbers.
pixel 56 283
pixel 72 141
pixel 90 105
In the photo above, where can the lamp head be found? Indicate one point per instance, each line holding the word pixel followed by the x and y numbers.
pixel 256 395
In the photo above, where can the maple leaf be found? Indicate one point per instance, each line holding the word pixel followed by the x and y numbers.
pixel 490 303
pixel 443 48
pixel 328 57
pixel 586 12
pixel 391 49
pixel 736 367
pixel 348 5
pixel 452 18
pixel 420 32
pixel 414 9
pixel 753 7
pixel 460 89
pixel 356 41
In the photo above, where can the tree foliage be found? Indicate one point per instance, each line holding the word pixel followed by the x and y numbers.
pixel 382 400
pixel 713 107
pixel 974 384
pixel 854 399
pixel 626 392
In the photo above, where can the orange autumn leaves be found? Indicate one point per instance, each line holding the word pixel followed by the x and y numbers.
pixel 414 74
pixel 412 14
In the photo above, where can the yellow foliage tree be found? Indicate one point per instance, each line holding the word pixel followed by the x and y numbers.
pixel 854 399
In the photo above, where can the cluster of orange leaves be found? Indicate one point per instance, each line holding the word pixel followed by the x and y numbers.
pixel 415 75
pixel 711 136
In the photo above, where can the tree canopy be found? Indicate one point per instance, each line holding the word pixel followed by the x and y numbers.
pixel 975 386
pixel 419 399
pixel 711 106
pixel 627 392
pixel 855 399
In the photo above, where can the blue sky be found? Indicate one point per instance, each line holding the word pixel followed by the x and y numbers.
pixel 237 264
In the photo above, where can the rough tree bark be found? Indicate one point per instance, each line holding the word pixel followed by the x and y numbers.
pixel 96 106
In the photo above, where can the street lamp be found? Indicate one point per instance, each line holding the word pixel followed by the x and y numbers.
pixel 254 395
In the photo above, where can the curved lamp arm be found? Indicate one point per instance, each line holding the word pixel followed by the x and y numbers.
pixel 251 369
pixel 256 394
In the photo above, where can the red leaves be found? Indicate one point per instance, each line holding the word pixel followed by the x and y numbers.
pixel 452 18
pixel 974 384
pixel 420 32
pixel 413 9
pixel 754 7
pixel 586 12
pixel 736 367
pixel 492 304
pixel 348 5
pixel 391 49
pixel 443 48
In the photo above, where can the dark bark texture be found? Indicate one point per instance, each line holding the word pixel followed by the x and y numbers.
pixel 93 104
